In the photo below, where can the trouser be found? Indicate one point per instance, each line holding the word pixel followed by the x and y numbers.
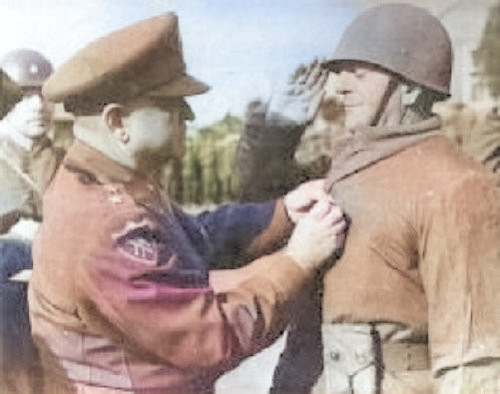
pixel 301 362
pixel 18 354
pixel 360 359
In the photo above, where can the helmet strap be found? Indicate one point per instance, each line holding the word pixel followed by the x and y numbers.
pixel 389 90
pixel 417 103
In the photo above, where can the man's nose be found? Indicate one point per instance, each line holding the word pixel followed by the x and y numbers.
pixel 344 82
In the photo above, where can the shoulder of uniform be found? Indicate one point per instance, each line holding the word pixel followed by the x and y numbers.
pixel 103 196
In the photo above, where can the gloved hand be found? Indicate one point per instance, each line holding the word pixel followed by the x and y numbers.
pixel 272 131
pixel 317 236
pixel 27 121
pixel 297 103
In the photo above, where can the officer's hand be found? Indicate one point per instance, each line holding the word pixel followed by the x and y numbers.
pixel 300 200
pixel 298 102
pixel 29 119
pixel 317 235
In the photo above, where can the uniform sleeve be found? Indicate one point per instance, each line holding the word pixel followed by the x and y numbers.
pixel 237 233
pixel 16 189
pixel 461 273
pixel 485 146
pixel 265 154
pixel 25 175
pixel 157 301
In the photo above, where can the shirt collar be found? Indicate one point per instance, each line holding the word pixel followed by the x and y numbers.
pixel 365 146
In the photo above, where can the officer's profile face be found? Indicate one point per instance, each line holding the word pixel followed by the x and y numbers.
pixel 361 87
pixel 156 125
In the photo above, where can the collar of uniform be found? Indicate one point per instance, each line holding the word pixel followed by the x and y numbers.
pixel 106 170
pixel 364 146
pixel 368 134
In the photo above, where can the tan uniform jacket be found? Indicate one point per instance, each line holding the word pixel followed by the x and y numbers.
pixel 422 250
pixel 120 296
pixel 24 177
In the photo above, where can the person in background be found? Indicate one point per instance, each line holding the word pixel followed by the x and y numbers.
pixel 267 163
pixel 475 129
pixel 28 160
pixel 125 295
pixel 27 155
pixel 411 305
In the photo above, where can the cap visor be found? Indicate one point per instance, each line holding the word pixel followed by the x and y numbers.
pixel 185 85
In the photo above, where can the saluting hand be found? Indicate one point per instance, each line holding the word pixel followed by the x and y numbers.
pixel 298 102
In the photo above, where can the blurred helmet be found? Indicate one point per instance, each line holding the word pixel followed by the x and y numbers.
pixel 403 39
pixel 26 67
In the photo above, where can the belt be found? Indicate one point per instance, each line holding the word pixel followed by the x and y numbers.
pixel 352 347
pixel 400 356
pixel 358 355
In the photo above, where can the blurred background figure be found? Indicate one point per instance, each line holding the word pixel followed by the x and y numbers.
pixel 27 158
pixel 475 129
pixel 28 161
pixel 302 125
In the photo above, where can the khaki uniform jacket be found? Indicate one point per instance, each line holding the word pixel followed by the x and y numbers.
pixel 24 177
pixel 120 296
pixel 422 250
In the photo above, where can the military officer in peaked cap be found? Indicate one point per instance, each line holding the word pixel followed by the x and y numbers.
pixel 122 297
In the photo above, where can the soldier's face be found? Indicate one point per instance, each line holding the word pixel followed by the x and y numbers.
pixel 361 88
pixel 37 114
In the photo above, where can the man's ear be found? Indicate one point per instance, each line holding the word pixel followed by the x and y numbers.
pixel 112 115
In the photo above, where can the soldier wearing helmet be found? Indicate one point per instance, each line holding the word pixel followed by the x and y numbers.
pixel 27 68
pixel 411 305
pixel 26 155
pixel 28 161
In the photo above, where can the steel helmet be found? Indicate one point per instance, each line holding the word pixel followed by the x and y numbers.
pixel 26 67
pixel 403 39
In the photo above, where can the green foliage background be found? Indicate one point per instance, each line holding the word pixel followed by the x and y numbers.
pixel 207 174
